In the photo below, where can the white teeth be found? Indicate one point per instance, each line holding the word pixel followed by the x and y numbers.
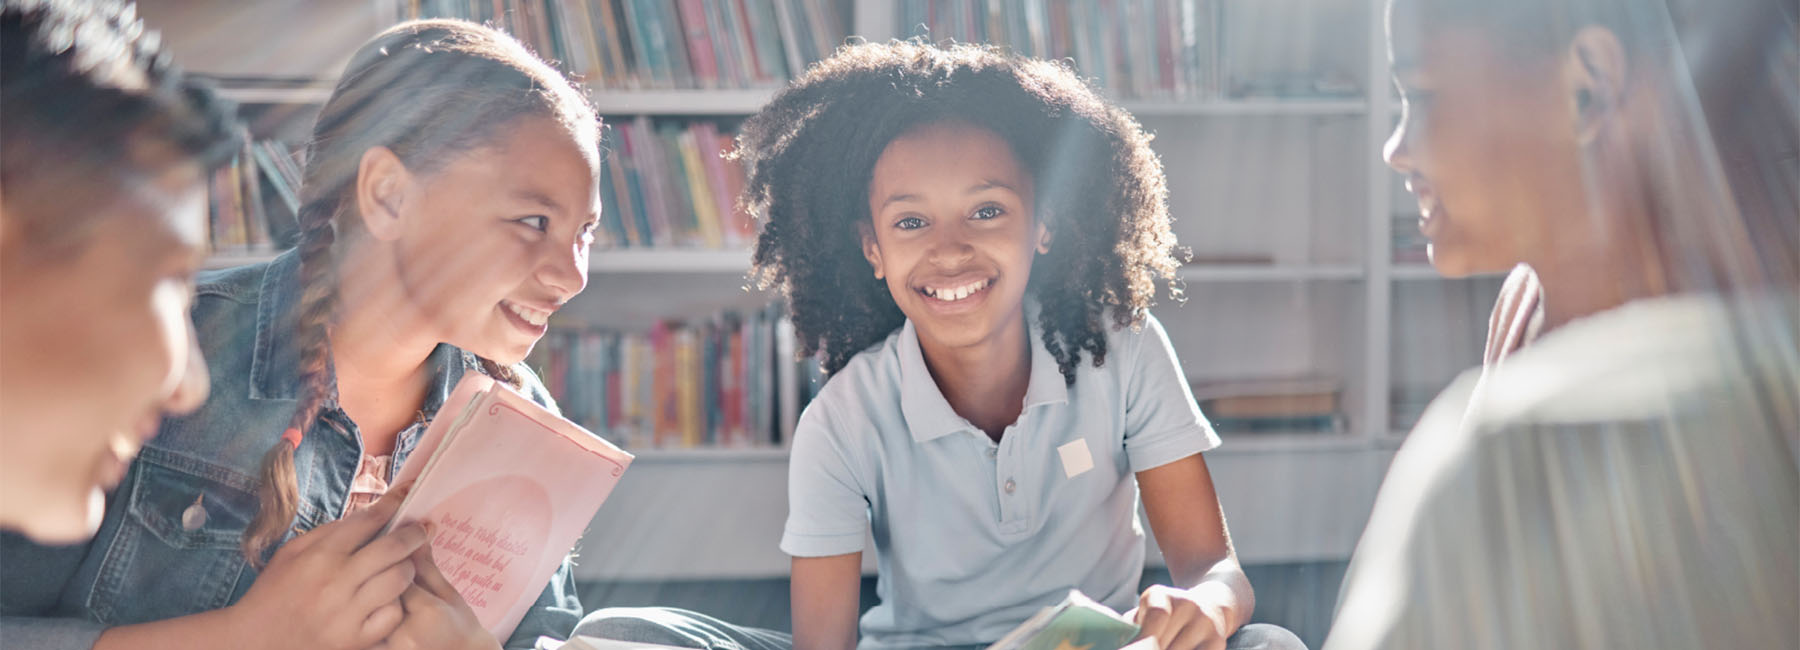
pixel 533 316
pixel 953 294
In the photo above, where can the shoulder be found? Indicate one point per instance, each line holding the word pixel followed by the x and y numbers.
pixel 871 380
pixel 243 284
pixel 859 397
pixel 1649 358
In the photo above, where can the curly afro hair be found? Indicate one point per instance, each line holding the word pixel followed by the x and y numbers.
pixel 811 153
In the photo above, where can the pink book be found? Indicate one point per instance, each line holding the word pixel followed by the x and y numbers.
pixel 507 487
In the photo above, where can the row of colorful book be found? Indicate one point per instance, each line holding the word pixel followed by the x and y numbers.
pixel 666 43
pixel 668 184
pixel 1134 49
pixel 728 381
pixel 1251 406
pixel 254 200
pixel 1168 50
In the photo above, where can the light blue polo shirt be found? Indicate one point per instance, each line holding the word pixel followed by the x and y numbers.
pixel 971 538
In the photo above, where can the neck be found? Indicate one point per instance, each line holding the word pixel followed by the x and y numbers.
pixel 379 346
pixel 984 383
pixel 1618 262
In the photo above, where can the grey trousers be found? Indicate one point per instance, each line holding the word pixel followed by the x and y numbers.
pixel 685 629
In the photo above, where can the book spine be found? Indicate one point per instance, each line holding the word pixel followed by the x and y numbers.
pixel 699 42
pixel 700 192
pixel 790 36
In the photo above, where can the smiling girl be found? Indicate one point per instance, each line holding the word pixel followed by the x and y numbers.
pixel 448 204
pixel 972 241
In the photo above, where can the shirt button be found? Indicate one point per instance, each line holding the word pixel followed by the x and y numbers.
pixel 993 452
pixel 1010 486
pixel 195 515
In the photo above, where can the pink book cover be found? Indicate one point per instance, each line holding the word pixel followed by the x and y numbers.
pixel 507 487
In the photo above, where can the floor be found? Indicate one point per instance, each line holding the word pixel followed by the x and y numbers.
pixel 1299 597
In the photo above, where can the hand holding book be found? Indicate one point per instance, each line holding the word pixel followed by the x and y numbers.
pixel 506 487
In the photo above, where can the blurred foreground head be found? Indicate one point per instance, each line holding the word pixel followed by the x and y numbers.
pixel 102 225
pixel 1649 141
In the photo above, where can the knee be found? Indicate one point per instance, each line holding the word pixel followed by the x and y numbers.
pixel 1263 636
pixel 631 624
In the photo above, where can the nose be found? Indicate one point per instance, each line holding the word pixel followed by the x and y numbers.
pixel 565 270
pixel 950 246
pixel 190 391
pixel 1397 152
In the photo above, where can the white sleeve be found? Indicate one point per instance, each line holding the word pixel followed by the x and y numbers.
pixel 828 510
pixel 1162 422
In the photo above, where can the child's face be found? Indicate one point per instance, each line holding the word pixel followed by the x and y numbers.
pixel 97 347
pixel 1487 143
pixel 497 240
pixel 953 231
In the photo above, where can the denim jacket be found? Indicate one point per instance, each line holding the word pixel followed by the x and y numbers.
pixel 144 564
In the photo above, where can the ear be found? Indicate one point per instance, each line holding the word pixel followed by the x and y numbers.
pixel 872 251
pixel 1043 237
pixel 381 182
pixel 1595 71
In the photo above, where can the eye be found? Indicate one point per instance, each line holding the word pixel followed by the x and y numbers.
pixel 587 232
pixel 910 223
pixel 536 222
pixel 987 212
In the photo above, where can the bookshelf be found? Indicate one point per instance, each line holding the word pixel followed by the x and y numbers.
pixel 1290 211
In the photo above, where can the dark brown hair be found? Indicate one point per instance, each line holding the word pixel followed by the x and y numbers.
pixel 811 154
pixel 426 90
pixel 82 86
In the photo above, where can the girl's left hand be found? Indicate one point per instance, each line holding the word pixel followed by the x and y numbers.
pixel 1178 620
pixel 436 616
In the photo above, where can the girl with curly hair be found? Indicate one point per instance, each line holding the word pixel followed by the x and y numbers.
pixel 971 241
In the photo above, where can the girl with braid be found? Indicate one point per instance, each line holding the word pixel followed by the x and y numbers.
pixel 448 201
pixel 972 242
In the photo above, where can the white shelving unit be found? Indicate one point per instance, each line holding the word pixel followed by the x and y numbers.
pixel 1300 181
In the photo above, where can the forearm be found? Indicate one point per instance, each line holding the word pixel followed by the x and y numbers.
pixel 202 631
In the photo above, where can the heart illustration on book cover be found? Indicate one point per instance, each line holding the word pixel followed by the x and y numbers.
pixel 507 487
pixel 481 538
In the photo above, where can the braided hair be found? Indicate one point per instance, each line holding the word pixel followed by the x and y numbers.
pixel 811 153
pixel 425 90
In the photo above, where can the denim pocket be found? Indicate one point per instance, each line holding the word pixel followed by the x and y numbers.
pixel 168 560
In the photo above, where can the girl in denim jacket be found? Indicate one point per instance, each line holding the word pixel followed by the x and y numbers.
pixel 447 208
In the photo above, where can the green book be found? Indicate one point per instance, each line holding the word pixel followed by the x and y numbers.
pixel 1076 623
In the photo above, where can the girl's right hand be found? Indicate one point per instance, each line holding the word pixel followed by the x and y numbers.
pixel 335 587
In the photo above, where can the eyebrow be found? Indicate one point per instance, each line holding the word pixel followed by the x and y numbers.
pixel 977 188
pixel 989 184
pixel 537 197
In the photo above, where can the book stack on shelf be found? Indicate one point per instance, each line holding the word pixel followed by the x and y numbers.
pixel 1133 49
pixel 254 200
pixel 1295 65
pixel 1305 404
pixel 1169 50
pixel 668 185
pixel 664 44
pixel 728 381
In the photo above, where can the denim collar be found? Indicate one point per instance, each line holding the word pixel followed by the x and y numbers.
pixel 929 415
pixel 275 361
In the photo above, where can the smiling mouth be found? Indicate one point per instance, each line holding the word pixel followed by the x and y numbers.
pixel 955 292
pixel 530 319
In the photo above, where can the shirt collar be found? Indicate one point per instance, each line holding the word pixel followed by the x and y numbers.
pixel 929 416
pixel 275 361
